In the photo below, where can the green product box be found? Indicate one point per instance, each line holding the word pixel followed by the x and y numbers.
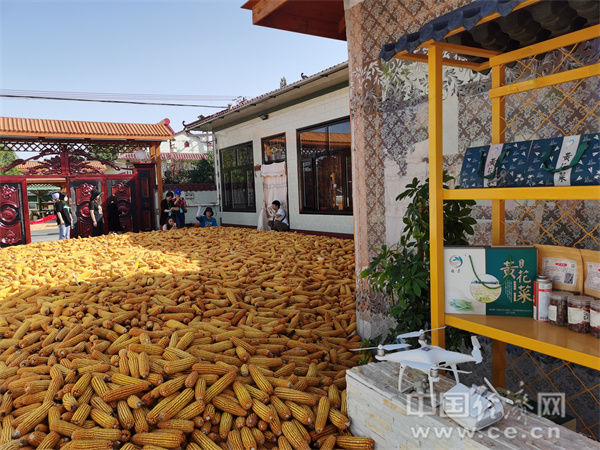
pixel 495 281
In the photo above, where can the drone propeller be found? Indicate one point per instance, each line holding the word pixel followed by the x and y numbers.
pixel 413 334
pixel 507 400
pixel 476 353
pixel 387 348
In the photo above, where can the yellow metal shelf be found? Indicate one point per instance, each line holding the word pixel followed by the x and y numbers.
pixel 542 337
pixel 525 193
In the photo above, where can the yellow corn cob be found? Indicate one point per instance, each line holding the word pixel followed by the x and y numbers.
pixel 209 412
pixel 81 384
pixel 282 410
pixel 81 414
pixel 322 414
pixel 140 422
pixel 134 401
pixel 204 441
pixel 32 419
pixel 234 440
pixel 130 446
pixel 191 379
pixel 229 405
pixel 344 403
pixel 103 419
pixel 69 401
pixel 122 392
pixel 261 381
pixel 187 426
pixel 225 424
pixel 338 419
pixel 64 428
pixel 296 396
pixel 186 340
pixel 154 415
pixel 334 396
pixel 109 434
pixel 284 444
pixel 50 441
pixel 190 446
pixel 123 362
pixel 206 368
pixel 192 410
pixel 293 435
pixel 355 442
pixel 177 404
pixel 143 364
pixel 262 411
pixel 303 431
pixel 200 389
pixel 259 437
pixel 242 395
pixel 99 385
pixel 162 438
pixel 248 439
pixel 172 386
pixel 328 442
pixel 219 385
pixel 125 415
pixel 301 412
pixel 275 424
pixel 257 393
pixel 98 403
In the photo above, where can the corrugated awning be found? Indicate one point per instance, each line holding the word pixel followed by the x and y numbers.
pixel 500 25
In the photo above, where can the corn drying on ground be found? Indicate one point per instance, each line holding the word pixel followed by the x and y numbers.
pixel 195 338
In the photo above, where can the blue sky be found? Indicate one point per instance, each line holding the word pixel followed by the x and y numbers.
pixel 183 47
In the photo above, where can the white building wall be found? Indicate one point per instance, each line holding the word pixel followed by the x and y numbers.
pixel 331 106
pixel 177 144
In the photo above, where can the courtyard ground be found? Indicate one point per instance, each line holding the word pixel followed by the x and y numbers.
pixel 196 337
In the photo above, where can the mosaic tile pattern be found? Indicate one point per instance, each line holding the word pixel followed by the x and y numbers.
pixel 389 115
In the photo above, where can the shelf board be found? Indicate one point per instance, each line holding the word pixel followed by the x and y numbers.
pixel 525 193
pixel 560 342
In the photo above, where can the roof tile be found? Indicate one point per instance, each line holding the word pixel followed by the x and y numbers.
pixel 27 127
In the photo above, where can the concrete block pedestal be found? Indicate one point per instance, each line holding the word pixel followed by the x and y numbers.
pixel 401 421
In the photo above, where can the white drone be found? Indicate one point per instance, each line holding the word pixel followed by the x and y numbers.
pixel 429 359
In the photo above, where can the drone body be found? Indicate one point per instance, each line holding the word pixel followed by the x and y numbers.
pixel 429 359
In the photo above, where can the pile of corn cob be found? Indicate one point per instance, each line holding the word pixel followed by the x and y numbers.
pixel 196 338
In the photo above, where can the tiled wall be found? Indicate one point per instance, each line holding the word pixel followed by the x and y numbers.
pixel 389 116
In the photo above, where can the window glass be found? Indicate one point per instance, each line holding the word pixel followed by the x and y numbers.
pixel 273 149
pixel 326 168
pixel 237 178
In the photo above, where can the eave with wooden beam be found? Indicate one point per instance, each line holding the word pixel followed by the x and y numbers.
pixel 317 18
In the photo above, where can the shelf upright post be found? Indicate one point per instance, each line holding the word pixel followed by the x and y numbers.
pixel 436 206
pixel 498 213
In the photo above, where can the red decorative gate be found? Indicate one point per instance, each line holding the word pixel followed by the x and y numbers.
pixel 78 154
pixel 13 201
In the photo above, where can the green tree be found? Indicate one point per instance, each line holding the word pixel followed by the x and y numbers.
pixel 7 156
pixel 203 171
pixel 403 272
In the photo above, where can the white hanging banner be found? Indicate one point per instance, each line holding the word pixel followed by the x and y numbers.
pixel 274 188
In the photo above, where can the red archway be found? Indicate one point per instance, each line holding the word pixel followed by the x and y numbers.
pixel 82 156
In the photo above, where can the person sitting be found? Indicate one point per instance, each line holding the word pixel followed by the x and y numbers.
pixel 280 221
pixel 166 209
pixel 170 225
pixel 207 219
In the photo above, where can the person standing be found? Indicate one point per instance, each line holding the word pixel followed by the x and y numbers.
pixel 96 213
pixel 166 209
pixel 180 209
pixel 66 215
pixel 280 221
pixel 114 225
pixel 59 213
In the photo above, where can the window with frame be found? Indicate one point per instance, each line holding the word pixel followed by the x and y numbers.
pixel 325 168
pixel 273 149
pixel 237 178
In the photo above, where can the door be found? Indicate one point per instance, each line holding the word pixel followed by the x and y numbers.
pixel 122 193
pixel 80 193
pixel 146 185
pixel 14 224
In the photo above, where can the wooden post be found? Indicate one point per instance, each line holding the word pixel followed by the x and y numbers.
pixel 159 180
pixel 436 205
pixel 498 214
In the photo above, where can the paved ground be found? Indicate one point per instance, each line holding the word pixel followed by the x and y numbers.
pixel 44 232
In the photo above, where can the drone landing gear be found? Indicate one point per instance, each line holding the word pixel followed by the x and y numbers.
pixel 420 387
